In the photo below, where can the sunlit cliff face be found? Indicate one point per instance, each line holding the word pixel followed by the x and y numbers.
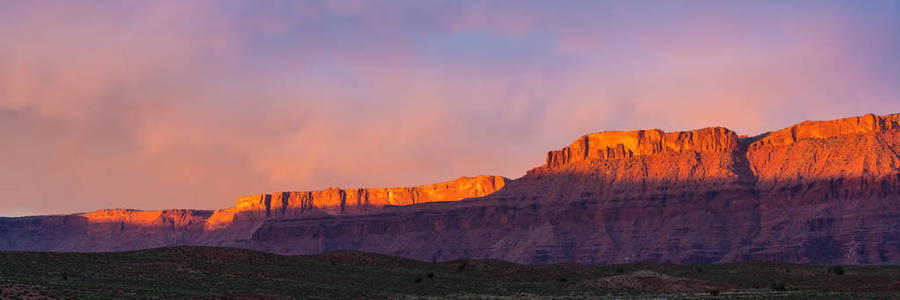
pixel 161 218
pixel 333 201
pixel 337 201
pixel 627 144
pixel 811 151
pixel 157 105
pixel 826 129
pixel 819 191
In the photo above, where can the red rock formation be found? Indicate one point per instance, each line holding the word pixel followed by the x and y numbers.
pixel 827 195
pixel 626 144
pixel 829 191
pixel 823 192
pixel 657 205
pixel 104 230
pixel 826 129
pixel 341 201
pixel 337 201
pixel 127 229
pixel 169 218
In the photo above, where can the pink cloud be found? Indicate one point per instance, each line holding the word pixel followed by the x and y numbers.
pixel 159 105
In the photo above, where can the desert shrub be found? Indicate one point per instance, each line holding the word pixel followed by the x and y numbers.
pixel 714 292
pixel 461 266
pixel 836 270
pixel 430 275
pixel 699 269
pixel 778 286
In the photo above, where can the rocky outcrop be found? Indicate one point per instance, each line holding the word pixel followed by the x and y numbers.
pixel 676 206
pixel 627 144
pixel 827 196
pixel 104 230
pixel 869 123
pixel 829 191
pixel 346 201
pixel 821 192
pixel 163 218
pixel 335 201
pixel 127 229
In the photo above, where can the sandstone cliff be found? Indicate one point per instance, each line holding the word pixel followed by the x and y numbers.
pixel 342 201
pixel 335 201
pixel 671 197
pixel 829 191
pixel 627 144
pixel 127 229
pixel 823 192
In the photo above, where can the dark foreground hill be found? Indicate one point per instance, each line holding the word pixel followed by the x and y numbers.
pixel 227 273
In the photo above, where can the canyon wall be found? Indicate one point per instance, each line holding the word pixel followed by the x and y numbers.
pixel 347 201
pixel 126 229
pixel 829 191
pixel 676 197
pixel 626 144
pixel 820 192
pixel 817 192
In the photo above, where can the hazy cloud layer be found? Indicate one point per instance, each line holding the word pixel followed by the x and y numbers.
pixel 174 104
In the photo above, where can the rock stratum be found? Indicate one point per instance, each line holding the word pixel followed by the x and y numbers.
pixel 816 192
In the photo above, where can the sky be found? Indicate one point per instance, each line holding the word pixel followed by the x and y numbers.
pixel 191 104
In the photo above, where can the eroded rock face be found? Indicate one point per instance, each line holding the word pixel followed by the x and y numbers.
pixel 678 206
pixel 829 191
pixel 627 144
pixel 823 192
pixel 103 230
pixel 127 229
pixel 869 123
pixel 335 201
pixel 164 218
pixel 828 195
pixel 347 201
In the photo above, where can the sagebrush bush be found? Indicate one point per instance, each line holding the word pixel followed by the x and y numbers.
pixel 462 266
pixel 836 270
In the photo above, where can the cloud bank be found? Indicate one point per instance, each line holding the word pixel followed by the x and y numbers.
pixel 162 104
